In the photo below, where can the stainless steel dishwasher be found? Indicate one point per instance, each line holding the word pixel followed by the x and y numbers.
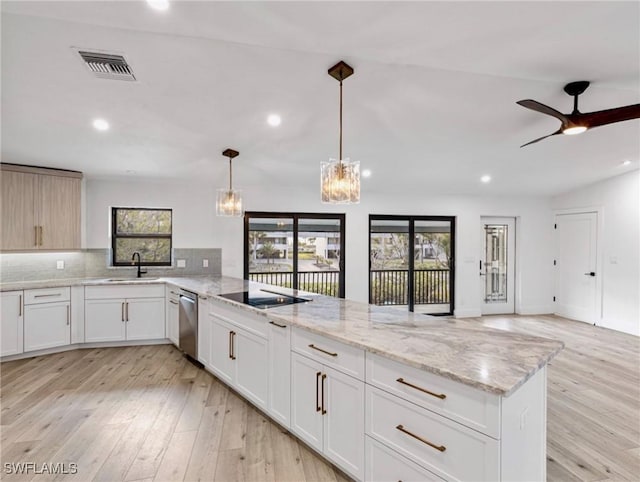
pixel 188 321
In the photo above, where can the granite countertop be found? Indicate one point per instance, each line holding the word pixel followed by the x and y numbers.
pixel 492 360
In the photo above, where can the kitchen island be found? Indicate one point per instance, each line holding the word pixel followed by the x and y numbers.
pixel 382 393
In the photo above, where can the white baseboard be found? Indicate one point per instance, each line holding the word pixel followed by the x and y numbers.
pixel 535 310
pixel 467 313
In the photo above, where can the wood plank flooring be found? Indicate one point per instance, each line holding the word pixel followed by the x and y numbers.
pixel 145 413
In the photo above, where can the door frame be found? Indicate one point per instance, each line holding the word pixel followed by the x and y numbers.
pixel 599 254
pixel 512 260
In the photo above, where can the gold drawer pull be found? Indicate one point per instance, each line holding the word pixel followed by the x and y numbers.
pixel 441 448
pixel 173 302
pixel 277 324
pixel 323 351
pixel 441 396
pixel 47 296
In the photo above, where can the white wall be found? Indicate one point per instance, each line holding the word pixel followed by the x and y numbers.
pixel 196 226
pixel 619 201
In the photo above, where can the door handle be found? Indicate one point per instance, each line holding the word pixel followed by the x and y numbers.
pixel 318 407
pixel 590 273
pixel 322 393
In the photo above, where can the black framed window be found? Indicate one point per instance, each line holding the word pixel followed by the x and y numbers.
pixel 411 262
pixel 147 231
pixel 297 250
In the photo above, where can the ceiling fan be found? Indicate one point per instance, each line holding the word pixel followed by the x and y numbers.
pixel 577 122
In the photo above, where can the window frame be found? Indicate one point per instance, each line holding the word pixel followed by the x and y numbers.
pixel 295 216
pixel 115 236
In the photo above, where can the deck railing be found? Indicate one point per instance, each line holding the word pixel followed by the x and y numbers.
pixel 391 287
pixel 321 282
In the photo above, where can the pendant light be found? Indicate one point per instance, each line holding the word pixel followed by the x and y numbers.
pixel 340 178
pixel 229 201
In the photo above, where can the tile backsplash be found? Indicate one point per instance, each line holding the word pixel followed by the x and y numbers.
pixel 94 263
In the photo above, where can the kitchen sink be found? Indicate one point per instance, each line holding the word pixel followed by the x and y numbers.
pixel 130 280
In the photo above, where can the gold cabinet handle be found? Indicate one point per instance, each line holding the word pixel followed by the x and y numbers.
pixel 126 311
pixel 323 351
pixel 318 407
pixel 35 235
pixel 67 315
pixel 41 242
pixel 173 302
pixel 441 396
pixel 20 306
pixel 322 393
pixel 47 296
pixel 122 312
pixel 441 448
pixel 277 324
pixel 232 354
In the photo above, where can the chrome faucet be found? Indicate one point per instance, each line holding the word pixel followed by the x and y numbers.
pixel 133 261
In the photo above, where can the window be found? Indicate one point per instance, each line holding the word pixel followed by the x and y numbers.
pixel 300 251
pixel 143 230
pixel 411 262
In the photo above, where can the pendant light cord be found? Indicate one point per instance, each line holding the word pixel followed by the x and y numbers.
pixel 340 158
pixel 230 174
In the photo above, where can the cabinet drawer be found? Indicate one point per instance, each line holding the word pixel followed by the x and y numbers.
pixel 123 291
pixel 447 448
pixel 385 465
pixel 473 408
pixel 47 295
pixel 172 292
pixel 256 324
pixel 345 358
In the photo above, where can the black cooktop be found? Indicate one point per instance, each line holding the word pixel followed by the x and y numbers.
pixel 263 298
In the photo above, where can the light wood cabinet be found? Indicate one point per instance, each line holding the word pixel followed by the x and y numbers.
pixel 40 208
pixel 12 323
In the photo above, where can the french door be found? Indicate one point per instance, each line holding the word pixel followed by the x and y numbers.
pixel 411 262
pixel 297 250
pixel 497 265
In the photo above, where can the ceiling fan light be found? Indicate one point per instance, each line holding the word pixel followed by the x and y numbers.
pixel 571 131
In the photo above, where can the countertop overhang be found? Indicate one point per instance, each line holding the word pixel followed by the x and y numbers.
pixel 489 359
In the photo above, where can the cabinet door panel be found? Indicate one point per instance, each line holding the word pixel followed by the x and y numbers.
pixel 204 332
pixel 104 320
pixel 251 367
pixel 47 325
pixel 220 343
pixel 145 318
pixel 12 324
pixel 59 212
pixel 280 373
pixel 344 421
pixel 18 210
pixel 306 419
pixel 172 321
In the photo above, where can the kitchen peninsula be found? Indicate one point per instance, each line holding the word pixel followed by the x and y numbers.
pixel 382 394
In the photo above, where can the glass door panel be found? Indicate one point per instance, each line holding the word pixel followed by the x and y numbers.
pixel 319 255
pixel 432 266
pixel 495 264
pixel 389 262
pixel 270 251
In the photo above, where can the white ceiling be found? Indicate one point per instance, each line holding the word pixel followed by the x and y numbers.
pixel 431 105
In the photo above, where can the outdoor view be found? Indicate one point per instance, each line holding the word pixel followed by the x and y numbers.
pixel 147 231
pixel 315 265
pixel 392 279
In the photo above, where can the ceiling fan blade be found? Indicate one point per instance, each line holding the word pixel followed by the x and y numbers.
pixel 559 131
pixel 543 109
pixel 609 116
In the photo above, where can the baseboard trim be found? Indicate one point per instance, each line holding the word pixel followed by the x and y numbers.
pixel 468 313
pixel 535 310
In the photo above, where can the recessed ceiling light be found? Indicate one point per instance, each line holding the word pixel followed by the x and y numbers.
pixel 101 125
pixel 366 173
pixel 486 178
pixel 159 4
pixel 274 120
pixel 626 163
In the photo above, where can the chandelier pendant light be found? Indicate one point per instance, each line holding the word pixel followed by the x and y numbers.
pixel 229 201
pixel 340 178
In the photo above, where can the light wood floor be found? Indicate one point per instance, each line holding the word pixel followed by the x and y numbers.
pixel 145 413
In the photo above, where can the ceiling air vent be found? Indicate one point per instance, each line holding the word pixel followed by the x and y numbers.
pixel 107 66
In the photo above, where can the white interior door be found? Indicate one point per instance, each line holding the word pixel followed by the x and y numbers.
pixel 497 265
pixel 575 269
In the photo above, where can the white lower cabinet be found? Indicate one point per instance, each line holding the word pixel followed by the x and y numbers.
pixel 240 358
pixel 47 318
pixel 138 315
pixel 204 332
pixel 280 372
pixel 386 465
pixel 47 325
pixel 172 315
pixel 326 412
pixel 12 320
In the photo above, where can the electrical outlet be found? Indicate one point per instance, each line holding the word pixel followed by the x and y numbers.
pixel 181 263
pixel 205 263
pixel 60 264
